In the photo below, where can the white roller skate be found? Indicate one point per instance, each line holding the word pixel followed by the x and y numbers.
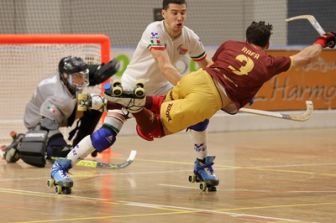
pixel 204 174
pixel 133 101
pixel 60 178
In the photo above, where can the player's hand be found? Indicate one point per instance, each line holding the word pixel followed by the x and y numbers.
pixel 331 39
pixel 327 40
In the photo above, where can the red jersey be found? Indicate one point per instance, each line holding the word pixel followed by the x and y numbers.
pixel 242 69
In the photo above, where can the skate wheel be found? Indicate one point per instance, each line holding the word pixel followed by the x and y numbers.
pixel 117 90
pixel 116 83
pixel 51 183
pixel 66 190
pixel 58 189
pixel 203 186
pixel 140 84
pixel 11 155
pixel 139 92
pixel 212 189
pixel 192 179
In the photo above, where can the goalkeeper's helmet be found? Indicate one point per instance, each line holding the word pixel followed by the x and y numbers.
pixel 74 72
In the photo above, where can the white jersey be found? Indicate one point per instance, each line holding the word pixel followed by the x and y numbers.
pixel 143 65
pixel 51 99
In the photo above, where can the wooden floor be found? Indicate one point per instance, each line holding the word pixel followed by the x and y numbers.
pixel 265 176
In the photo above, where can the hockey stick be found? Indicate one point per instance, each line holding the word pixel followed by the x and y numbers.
pixel 96 164
pixel 294 117
pixel 102 165
pixel 312 21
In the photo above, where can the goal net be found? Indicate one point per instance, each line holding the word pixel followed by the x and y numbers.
pixel 27 59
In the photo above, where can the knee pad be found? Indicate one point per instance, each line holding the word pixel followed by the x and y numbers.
pixel 32 149
pixel 201 126
pixel 103 138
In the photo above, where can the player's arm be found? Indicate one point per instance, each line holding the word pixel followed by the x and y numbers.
pixel 98 73
pixel 311 53
pixel 204 63
pixel 306 56
pixel 165 65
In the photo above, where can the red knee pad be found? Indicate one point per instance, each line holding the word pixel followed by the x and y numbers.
pixel 155 132
pixel 155 103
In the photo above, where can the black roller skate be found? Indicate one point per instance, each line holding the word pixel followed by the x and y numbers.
pixel 204 174
pixel 133 101
pixel 10 152
pixel 60 178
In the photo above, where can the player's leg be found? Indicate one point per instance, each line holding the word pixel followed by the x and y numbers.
pixel 99 140
pixel 201 101
pixel 35 145
pixel 194 99
pixel 203 168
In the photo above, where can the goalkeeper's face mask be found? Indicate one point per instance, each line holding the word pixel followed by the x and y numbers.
pixel 78 81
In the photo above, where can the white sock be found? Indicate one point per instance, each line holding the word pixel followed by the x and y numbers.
pixel 81 150
pixel 199 140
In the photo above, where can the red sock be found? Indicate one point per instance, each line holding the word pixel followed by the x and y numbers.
pixel 149 125
pixel 153 103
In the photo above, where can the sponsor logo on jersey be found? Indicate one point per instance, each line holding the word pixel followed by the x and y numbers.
pixel 155 39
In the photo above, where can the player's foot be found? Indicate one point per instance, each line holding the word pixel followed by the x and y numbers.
pixel 60 176
pixel 133 101
pixel 10 153
pixel 204 171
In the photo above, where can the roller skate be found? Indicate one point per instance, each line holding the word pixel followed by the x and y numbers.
pixel 10 152
pixel 133 101
pixel 204 174
pixel 60 178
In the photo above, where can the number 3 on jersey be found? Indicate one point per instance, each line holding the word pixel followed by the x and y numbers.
pixel 244 69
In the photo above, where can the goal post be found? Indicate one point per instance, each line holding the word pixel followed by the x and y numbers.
pixel 102 40
pixel 27 59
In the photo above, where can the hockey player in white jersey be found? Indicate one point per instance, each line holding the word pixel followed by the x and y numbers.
pixel 162 44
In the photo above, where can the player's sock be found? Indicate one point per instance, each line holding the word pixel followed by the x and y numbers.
pixel 199 140
pixel 153 103
pixel 149 125
pixel 81 150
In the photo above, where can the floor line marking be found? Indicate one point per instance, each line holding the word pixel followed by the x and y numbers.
pixel 195 210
